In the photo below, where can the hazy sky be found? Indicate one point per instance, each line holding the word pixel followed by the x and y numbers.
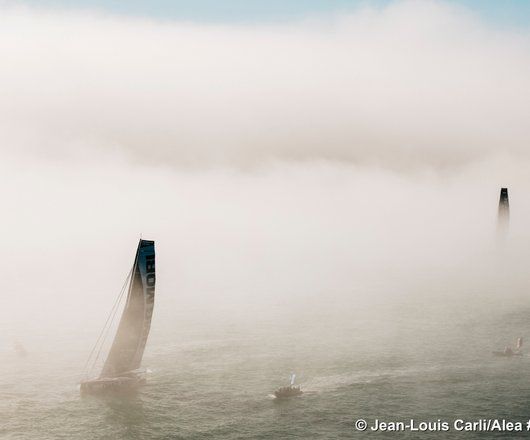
pixel 506 12
pixel 416 83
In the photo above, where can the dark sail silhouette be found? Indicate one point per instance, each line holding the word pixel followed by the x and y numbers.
pixel 125 355
pixel 504 211
pixel 129 343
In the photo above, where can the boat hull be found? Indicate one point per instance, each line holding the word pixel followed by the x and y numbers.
pixel 503 354
pixel 115 385
pixel 288 393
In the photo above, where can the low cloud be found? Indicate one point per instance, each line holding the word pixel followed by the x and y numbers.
pixel 410 85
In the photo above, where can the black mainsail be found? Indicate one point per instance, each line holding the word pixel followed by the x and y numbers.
pixel 129 343
pixel 504 211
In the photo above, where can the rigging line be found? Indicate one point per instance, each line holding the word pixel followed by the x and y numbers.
pixel 106 327
pixel 106 333
pixel 112 312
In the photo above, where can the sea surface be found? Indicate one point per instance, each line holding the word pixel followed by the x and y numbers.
pixel 212 374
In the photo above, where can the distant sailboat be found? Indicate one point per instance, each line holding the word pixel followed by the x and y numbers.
pixel 19 349
pixel 504 211
pixel 121 371
pixel 289 391
pixel 509 351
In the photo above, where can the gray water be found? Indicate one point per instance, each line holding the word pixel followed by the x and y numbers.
pixel 212 374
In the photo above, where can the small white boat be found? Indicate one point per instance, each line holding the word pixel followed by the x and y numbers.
pixel 509 351
pixel 289 391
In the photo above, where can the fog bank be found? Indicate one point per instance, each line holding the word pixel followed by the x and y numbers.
pixel 417 83
pixel 332 162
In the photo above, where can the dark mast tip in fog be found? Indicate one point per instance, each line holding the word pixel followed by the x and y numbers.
pixel 504 211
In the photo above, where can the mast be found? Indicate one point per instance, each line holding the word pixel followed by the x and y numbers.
pixel 129 343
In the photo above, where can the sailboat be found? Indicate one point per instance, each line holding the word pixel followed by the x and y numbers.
pixel 121 370
pixel 289 391
pixel 20 350
pixel 503 217
pixel 509 351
